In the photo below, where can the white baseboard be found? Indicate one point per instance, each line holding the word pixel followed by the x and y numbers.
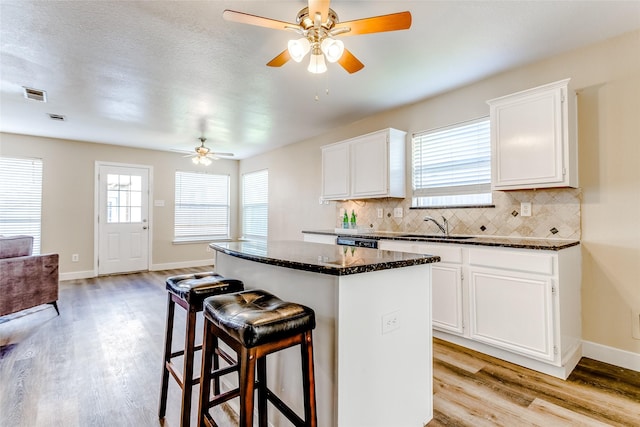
pixel 73 275
pixel 611 355
pixel 184 264
pixel 88 274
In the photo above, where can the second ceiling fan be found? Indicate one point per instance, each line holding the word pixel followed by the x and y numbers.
pixel 319 27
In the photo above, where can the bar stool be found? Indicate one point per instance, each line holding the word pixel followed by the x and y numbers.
pixel 255 323
pixel 189 292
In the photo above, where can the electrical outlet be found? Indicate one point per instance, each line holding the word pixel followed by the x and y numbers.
pixel 635 324
pixel 380 212
pixel 342 211
pixel 75 258
pixel 390 322
pixel 397 212
pixel 525 208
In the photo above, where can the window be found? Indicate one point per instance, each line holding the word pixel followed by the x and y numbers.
pixel 255 205
pixel 201 207
pixel 452 165
pixel 124 198
pixel 21 198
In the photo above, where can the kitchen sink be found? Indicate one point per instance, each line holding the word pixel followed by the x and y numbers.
pixel 436 236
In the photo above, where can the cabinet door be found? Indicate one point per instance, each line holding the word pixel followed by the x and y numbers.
pixel 446 298
pixel 512 311
pixel 370 165
pixel 527 135
pixel 335 171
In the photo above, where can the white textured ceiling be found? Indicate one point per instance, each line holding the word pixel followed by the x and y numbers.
pixel 155 74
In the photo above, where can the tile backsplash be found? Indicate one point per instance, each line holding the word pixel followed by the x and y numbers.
pixel 555 213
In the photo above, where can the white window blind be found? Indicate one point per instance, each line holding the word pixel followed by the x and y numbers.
pixel 452 165
pixel 255 205
pixel 21 198
pixel 201 206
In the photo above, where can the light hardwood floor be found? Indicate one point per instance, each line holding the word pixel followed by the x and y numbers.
pixel 99 364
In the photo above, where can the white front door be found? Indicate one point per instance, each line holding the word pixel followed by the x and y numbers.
pixel 123 212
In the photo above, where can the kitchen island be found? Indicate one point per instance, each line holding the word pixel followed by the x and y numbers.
pixel 372 343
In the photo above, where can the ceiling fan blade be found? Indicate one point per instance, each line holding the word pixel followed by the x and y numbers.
pixel 350 62
pixel 245 18
pixel 222 154
pixel 377 24
pixel 321 6
pixel 280 60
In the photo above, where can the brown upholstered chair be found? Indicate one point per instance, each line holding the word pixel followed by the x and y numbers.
pixel 26 280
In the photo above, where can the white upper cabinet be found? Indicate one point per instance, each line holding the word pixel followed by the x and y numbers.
pixel 534 138
pixel 367 166
pixel 335 171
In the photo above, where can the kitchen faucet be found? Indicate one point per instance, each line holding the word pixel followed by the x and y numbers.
pixel 444 227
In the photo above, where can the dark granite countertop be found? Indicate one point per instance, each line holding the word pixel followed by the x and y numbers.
pixel 506 242
pixel 321 258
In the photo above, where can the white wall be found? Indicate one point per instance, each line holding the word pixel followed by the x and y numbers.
pixel 68 198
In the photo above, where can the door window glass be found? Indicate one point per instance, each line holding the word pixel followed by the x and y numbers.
pixel 124 198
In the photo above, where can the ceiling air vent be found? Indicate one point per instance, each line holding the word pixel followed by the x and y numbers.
pixel 57 117
pixel 35 94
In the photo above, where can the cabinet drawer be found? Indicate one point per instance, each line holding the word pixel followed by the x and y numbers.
pixel 541 263
pixel 446 252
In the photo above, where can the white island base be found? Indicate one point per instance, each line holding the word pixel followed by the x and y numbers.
pixel 372 343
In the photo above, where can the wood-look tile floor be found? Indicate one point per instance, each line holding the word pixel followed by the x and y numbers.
pixel 99 364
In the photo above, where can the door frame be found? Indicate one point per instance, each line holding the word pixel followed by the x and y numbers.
pixel 96 210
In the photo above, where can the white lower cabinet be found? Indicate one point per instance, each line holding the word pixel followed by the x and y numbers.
pixel 446 297
pixel 520 305
pixel 446 282
pixel 512 311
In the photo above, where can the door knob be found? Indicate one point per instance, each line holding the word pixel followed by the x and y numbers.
pixel 144 228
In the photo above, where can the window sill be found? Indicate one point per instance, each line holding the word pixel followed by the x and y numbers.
pixel 200 240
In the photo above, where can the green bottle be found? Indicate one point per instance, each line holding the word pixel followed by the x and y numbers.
pixel 353 219
pixel 345 220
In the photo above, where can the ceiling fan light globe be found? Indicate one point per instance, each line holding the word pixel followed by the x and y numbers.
pixel 333 49
pixel 205 161
pixel 298 48
pixel 317 64
pixel 195 160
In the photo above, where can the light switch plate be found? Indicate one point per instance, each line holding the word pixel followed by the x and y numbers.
pixel 525 208
pixel 397 212
pixel 380 212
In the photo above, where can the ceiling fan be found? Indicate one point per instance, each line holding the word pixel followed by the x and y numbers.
pixel 203 154
pixel 319 26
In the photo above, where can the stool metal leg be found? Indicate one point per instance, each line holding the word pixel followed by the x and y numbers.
pixel 187 372
pixel 171 307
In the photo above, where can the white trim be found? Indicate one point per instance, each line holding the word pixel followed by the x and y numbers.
pixel 89 274
pixel 74 275
pixel 183 264
pixel 614 356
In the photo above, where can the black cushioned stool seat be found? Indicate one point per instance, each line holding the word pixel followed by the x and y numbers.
pixel 255 323
pixel 189 292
